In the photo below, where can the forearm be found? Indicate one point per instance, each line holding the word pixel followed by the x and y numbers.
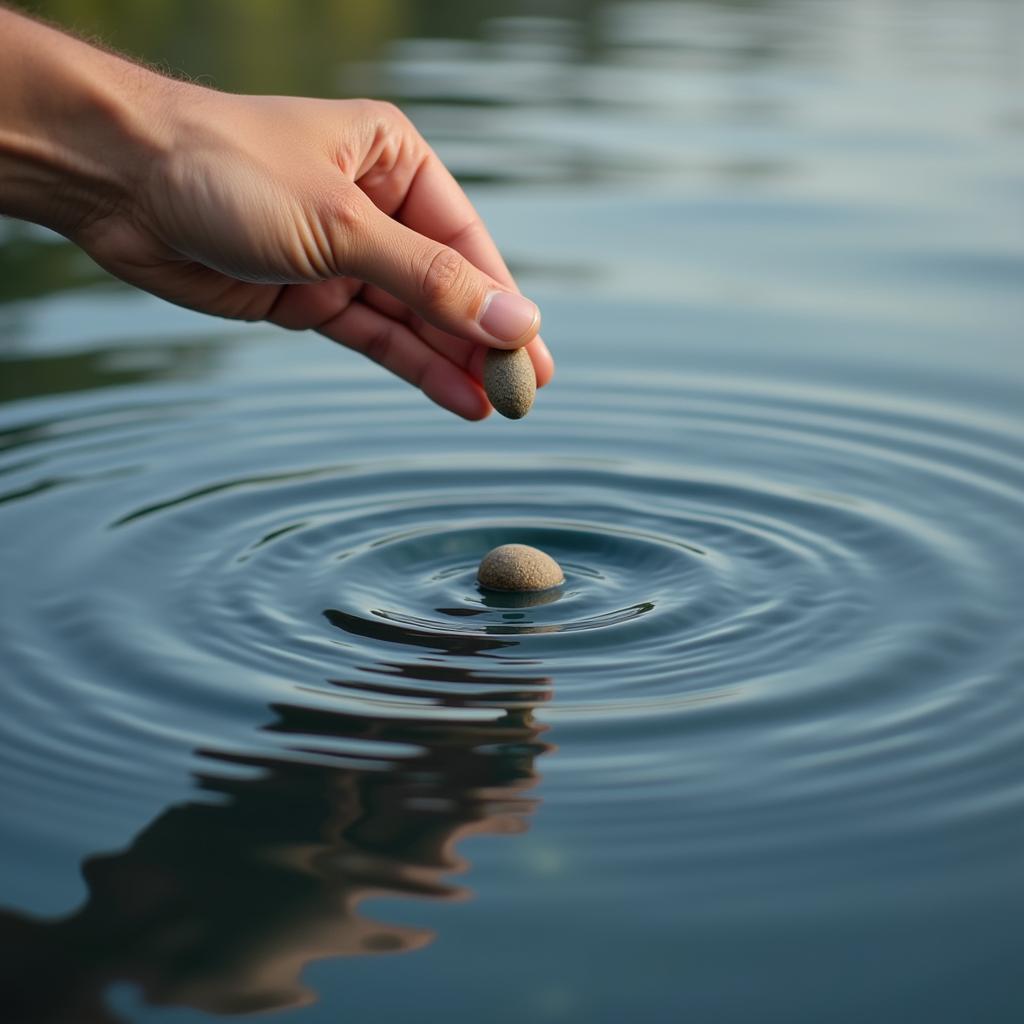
pixel 78 127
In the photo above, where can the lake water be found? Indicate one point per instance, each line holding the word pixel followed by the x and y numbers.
pixel 266 746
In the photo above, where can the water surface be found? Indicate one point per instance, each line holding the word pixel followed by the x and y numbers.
pixel 265 745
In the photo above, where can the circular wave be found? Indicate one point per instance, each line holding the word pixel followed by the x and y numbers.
pixel 773 595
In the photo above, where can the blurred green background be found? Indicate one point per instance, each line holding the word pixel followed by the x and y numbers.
pixel 269 46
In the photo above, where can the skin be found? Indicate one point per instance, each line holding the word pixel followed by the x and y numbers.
pixel 325 215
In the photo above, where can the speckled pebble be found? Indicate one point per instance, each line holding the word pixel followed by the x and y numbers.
pixel 510 381
pixel 519 567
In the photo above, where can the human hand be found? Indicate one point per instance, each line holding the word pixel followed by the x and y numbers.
pixel 328 215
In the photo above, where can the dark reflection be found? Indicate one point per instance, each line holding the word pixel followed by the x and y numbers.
pixel 29 376
pixel 220 905
pixel 395 629
pixel 445 674
pixel 460 644
pixel 32 265
pixel 519 599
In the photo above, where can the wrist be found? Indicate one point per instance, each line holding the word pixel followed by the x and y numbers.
pixel 79 128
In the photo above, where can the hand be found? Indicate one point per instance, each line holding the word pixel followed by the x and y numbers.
pixel 334 216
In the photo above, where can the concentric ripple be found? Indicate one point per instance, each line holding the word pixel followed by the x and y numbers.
pixel 774 595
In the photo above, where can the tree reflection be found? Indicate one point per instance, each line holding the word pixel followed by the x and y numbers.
pixel 220 904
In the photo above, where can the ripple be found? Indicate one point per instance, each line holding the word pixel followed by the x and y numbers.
pixel 775 595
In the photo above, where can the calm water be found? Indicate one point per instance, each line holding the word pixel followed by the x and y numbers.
pixel 265 745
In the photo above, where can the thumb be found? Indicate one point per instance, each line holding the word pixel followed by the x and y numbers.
pixel 439 283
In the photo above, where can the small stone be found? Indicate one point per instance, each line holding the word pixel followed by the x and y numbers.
pixel 520 568
pixel 509 381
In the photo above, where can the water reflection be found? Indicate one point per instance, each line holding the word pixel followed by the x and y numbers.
pixel 28 377
pixel 512 600
pixel 33 263
pixel 221 905
pixel 464 645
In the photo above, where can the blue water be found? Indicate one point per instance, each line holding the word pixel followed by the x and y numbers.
pixel 265 744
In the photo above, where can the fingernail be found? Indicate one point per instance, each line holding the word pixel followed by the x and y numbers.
pixel 508 317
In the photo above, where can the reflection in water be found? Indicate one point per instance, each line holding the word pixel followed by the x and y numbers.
pixel 513 599
pixel 32 263
pixel 22 378
pixel 220 906
pixel 459 644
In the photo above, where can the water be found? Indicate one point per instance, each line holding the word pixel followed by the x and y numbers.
pixel 266 745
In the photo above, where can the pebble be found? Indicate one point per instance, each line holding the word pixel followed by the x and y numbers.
pixel 509 381
pixel 520 568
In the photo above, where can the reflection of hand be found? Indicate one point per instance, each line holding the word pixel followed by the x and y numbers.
pixel 221 905
pixel 313 214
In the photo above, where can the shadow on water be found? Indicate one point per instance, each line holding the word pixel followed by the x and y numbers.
pixel 219 906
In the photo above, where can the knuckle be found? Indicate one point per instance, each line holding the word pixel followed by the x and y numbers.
pixel 348 211
pixel 444 279
pixel 418 376
pixel 378 347
pixel 388 112
pixel 378 116
pixel 337 228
